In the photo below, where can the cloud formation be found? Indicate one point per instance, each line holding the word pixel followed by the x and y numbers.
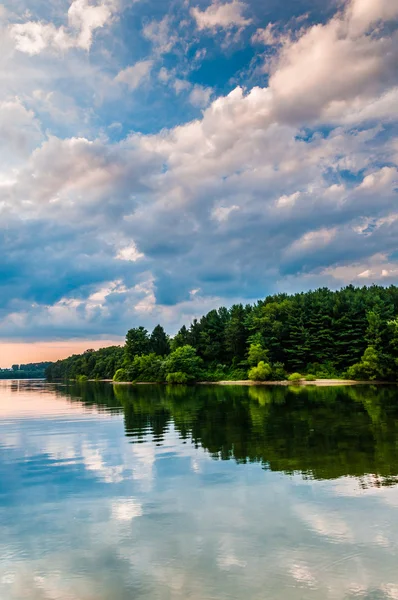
pixel 33 37
pixel 285 182
pixel 136 74
pixel 221 15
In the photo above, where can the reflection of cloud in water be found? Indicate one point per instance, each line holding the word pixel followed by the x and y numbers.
pixel 327 524
pixel 349 487
pixel 62 447
pixel 302 574
pixel 93 461
pixel 391 590
pixel 144 457
pixel 227 557
pixel 126 510
pixel 172 523
pixel 195 465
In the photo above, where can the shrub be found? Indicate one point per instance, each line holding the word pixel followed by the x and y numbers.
pixel 325 370
pixel 224 374
pixel 256 355
pixel 278 372
pixel 236 375
pixel 184 360
pixel 369 368
pixel 295 377
pixel 260 373
pixel 120 375
pixel 81 378
pixel 177 377
pixel 147 367
pixel 310 377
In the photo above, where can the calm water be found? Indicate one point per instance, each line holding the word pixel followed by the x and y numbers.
pixel 198 493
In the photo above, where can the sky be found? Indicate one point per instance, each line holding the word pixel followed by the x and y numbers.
pixel 160 159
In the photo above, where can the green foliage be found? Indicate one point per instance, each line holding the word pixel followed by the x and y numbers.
pixel 260 373
pixel 256 354
pixel 369 368
pixel 159 342
pixel 295 377
pixel 182 338
pixel 177 377
pixel 121 375
pixel 278 372
pixel 235 375
pixel 321 332
pixel 223 373
pixel 184 360
pixel 310 377
pixel 137 343
pixel 236 334
pixel 101 364
pixel 146 368
pixel 81 378
pixel 323 371
pixel 26 371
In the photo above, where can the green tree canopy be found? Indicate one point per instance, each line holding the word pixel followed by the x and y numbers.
pixel 184 360
pixel 137 343
pixel 159 341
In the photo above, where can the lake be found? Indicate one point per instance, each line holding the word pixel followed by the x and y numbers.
pixel 206 492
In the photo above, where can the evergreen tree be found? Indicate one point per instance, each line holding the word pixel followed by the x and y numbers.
pixel 236 334
pixel 159 341
pixel 137 343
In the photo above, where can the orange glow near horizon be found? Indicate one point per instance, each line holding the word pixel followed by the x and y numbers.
pixel 16 353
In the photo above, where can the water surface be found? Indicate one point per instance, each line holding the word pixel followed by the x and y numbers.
pixel 198 493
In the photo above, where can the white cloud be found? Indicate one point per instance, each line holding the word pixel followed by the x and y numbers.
pixel 365 13
pixel 86 18
pixel 136 74
pixel 129 253
pixel 377 268
pixel 200 96
pixel 33 37
pixel 258 183
pixel 288 201
pixel 221 16
pixel 164 75
pixel 20 131
pixel 340 66
pixel 160 34
pixel 266 36
pixel 180 85
pixel 222 213
pixel 314 239
pixel 386 177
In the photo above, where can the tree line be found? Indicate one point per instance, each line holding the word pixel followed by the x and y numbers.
pixel 26 371
pixel 351 333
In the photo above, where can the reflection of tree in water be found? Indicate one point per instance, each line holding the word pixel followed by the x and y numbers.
pixel 322 433
pixel 92 395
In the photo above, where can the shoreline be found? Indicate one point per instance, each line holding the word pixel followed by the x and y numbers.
pixel 245 382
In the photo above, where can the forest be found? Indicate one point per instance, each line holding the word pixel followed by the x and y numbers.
pixel 350 333
pixel 28 371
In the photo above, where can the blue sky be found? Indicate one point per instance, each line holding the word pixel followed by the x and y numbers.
pixel 159 159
